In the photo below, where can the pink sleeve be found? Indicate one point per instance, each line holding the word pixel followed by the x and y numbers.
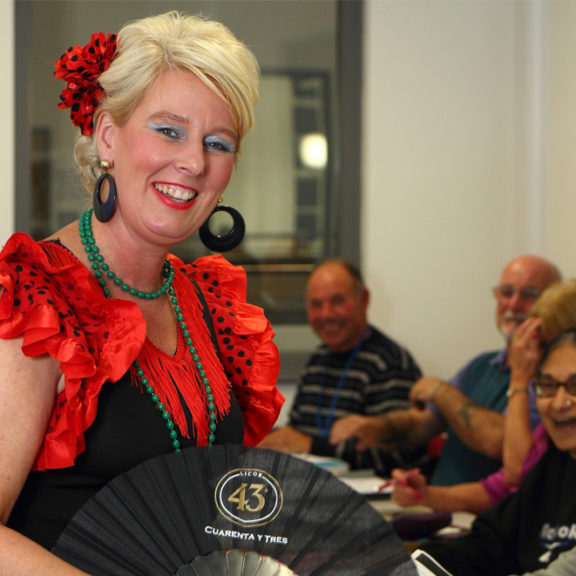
pixel 540 446
pixel 496 485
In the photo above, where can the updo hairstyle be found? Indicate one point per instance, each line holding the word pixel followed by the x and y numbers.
pixel 150 46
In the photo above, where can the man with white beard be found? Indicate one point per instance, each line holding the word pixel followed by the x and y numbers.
pixel 470 407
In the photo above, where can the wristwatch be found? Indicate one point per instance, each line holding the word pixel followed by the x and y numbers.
pixel 511 391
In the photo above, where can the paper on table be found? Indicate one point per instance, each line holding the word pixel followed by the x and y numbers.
pixel 363 481
pixel 368 485
pixel 333 465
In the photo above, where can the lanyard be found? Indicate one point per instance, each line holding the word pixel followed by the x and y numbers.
pixel 324 426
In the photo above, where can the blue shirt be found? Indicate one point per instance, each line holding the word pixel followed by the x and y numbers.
pixel 485 381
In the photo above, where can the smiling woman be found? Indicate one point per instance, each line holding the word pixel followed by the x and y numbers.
pixel 555 389
pixel 113 350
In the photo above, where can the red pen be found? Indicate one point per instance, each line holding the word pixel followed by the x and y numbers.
pixel 385 485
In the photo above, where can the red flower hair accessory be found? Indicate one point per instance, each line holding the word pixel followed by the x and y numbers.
pixel 80 67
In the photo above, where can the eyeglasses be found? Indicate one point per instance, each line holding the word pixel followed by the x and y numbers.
pixel 547 388
pixel 506 291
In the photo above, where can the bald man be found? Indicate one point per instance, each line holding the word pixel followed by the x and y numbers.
pixel 470 408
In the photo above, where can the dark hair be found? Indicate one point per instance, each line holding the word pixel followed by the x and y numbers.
pixel 350 267
pixel 562 339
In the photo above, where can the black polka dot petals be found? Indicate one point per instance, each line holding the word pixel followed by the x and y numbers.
pixel 80 67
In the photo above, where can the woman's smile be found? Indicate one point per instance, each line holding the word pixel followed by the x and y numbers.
pixel 175 192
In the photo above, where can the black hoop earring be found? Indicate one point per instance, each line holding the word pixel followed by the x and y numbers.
pixel 227 241
pixel 104 210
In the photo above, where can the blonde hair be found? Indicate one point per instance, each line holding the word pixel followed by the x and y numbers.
pixel 150 46
pixel 556 306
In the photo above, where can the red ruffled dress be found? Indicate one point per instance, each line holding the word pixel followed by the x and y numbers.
pixel 103 423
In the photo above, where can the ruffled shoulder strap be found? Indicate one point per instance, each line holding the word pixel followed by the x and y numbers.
pixel 50 299
pixel 245 340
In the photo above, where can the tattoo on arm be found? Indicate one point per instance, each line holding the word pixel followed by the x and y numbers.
pixel 465 414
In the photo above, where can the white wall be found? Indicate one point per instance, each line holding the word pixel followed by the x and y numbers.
pixel 559 153
pixel 467 132
pixel 7 105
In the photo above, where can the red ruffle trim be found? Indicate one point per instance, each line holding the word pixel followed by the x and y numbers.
pixel 58 308
pixel 245 339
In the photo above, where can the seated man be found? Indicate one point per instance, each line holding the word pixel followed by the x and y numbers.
pixel 356 370
pixel 470 409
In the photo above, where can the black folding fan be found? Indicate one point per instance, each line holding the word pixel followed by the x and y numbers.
pixel 231 510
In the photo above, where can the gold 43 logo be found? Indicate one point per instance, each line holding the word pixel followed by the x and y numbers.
pixel 249 496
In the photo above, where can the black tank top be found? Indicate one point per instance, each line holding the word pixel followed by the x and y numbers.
pixel 128 430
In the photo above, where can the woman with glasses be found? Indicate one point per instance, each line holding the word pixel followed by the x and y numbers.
pixel 531 528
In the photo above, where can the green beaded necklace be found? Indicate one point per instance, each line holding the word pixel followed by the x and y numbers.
pixel 102 271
